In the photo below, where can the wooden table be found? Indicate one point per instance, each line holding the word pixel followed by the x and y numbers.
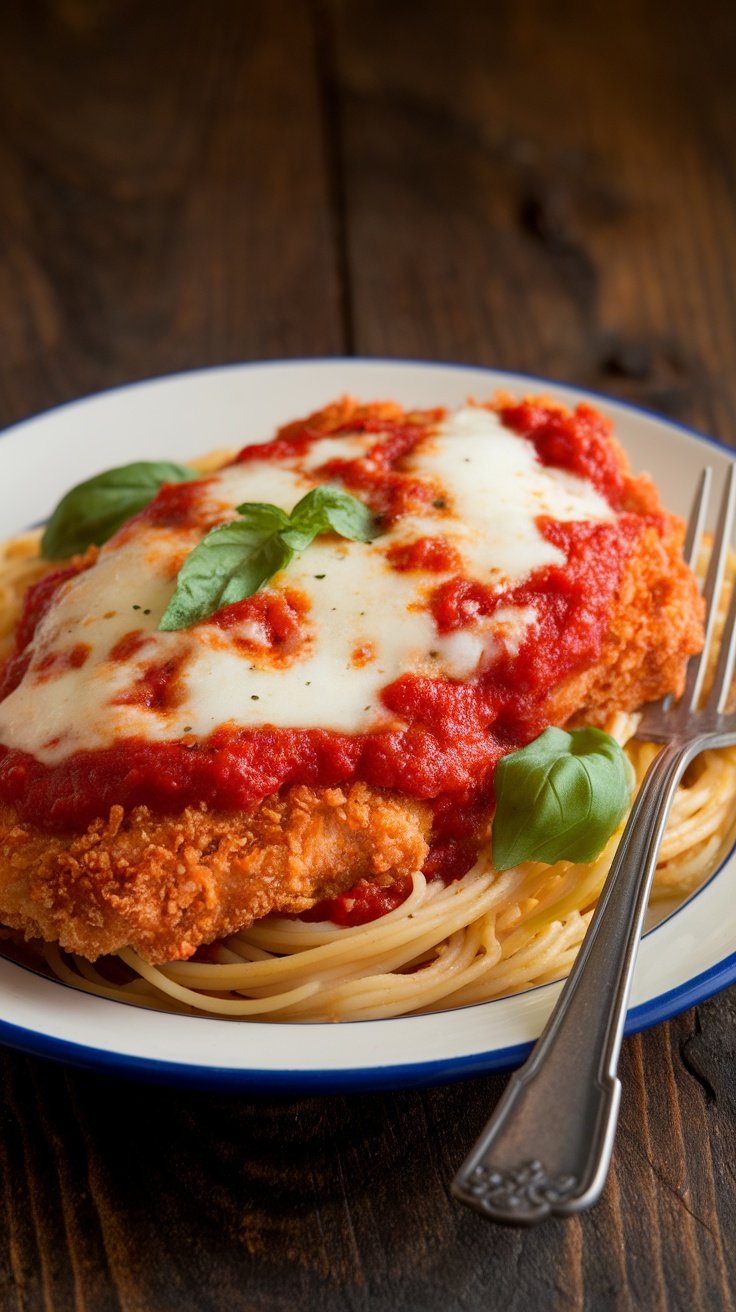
pixel 536 186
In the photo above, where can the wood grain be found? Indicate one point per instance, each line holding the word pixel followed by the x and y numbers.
pixel 546 187
pixel 166 200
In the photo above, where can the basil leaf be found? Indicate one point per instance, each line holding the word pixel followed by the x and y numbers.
pixel 328 508
pixel 92 511
pixel 262 517
pixel 560 798
pixel 230 563
pixel 235 559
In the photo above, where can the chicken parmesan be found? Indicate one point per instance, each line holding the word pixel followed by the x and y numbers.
pixel 318 749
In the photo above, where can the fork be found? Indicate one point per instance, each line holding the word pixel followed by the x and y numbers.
pixel 547 1147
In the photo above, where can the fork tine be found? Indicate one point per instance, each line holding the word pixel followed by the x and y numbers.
pixel 696 521
pixel 712 591
pixel 693 538
pixel 719 692
pixel 718 695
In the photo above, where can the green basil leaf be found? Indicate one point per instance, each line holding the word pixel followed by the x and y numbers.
pixel 560 798
pixel 230 563
pixel 261 517
pixel 235 559
pixel 328 508
pixel 92 511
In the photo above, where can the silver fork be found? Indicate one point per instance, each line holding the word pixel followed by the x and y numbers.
pixel 547 1148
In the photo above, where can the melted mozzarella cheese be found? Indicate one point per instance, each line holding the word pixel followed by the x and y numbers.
pixel 492 488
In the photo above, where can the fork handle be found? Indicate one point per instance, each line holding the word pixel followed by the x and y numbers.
pixel 547 1148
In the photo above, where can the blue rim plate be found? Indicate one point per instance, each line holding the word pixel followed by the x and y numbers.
pixel 684 959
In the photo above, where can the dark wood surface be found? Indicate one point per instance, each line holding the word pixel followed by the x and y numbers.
pixel 546 185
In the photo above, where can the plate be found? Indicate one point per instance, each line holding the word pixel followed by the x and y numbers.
pixel 686 958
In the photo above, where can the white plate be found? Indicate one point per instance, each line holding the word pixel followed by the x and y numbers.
pixel 687 958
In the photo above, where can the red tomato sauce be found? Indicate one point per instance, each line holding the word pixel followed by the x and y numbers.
pixel 159 687
pixel 56 662
pixel 389 494
pixel 294 440
pixel 435 555
pixel 176 505
pixel 373 476
pixel 580 442
pixel 36 602
pixel 361 904
pixel 233 770
pixel 275 623
pixel 129 645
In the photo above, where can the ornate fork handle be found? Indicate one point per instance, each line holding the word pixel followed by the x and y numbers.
pixel 547 1147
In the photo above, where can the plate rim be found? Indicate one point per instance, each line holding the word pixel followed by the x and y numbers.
pixel 653 1011
pixel 290 1080
pixel 150 380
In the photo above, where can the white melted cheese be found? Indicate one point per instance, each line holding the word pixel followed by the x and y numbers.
pixel 493 488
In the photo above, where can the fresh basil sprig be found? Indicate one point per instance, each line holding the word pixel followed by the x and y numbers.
pixel 92 511
pixel 235 559
pixel 560 798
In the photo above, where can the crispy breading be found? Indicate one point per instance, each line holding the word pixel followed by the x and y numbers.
pixel 165 884
pixel 655 625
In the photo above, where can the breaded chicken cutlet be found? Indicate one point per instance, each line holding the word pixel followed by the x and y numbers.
pixel 165 884
pixel 163 788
